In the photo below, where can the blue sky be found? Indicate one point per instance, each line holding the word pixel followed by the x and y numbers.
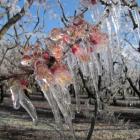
pixel 69 7
pixel 138 2
pixel 52 7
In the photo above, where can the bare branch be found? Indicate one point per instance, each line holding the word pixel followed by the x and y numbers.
pixel 135 25
pixel 62 9
pixel 12 21
pixel 5 54
pixel 5 77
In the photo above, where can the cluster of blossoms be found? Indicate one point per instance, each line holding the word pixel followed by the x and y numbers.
pixel 49 67
pixel 49 63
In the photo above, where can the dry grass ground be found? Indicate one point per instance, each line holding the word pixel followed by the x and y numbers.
pixel 17 125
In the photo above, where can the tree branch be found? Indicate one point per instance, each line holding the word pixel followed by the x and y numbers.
pixel 4 77
pixel 62 9
pixel 135 25
pixel 13 20
pixel 5 54
pixel 133 86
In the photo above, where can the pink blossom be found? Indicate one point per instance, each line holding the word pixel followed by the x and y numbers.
pixel 61 74
pixel 98 38
pixel 80 53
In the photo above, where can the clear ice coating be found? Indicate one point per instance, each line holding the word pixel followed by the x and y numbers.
pixel 15 96
pixel 52 102
pixel 54 87
pixel 20 99
pixel 72 62
pixel 59 99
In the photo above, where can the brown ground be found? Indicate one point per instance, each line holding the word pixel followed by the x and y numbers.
pixel 17 125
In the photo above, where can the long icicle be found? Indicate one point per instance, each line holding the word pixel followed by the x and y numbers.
pixel 63 107
pixel 71 61
pixel 52 103
pixel 19 98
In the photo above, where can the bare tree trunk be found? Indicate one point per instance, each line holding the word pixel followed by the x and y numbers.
pixel 1 93
pixel 133 86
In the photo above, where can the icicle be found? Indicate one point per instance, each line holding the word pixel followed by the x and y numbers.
pixel 67 100
pixel 93 75
pixel 19 98
pixel 137 18
pixel 84 68
pixel 28 106
pixel 109 30
pixel 71 62
pixel 51 102
pixel 77 92
pixel 95 13
pixel 54 108
pixel 66 94
pixel 115 20
pixel 110 60
pixel 98 63
pixel 64 108
pixel 15 96
pixel 86 112
pixel 92 71
pixel 59 99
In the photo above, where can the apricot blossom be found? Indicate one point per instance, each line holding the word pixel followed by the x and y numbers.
pixel 80 53
pixel 78 21
pixel 26 60
pixel 46 56
pixel 42 71
pixel 57 52
pixel 61 74
pixel 98 37
pixel 56 34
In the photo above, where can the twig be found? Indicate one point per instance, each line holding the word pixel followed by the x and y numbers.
pixel 105 3
pixel 38 20
pixel 130 44
pixel 129 4
pixel 5 54
pixel 133 86
pixel 81 13
pixel 130 80
pixel 62 9
pixel 84 83
pixel 135 25
pixel 4 77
